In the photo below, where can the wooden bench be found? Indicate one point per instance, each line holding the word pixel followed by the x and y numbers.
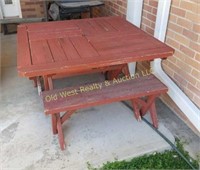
pixel 141 91
pixel 7 21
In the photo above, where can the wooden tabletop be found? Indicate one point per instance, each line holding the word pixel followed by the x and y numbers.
pixel 48 48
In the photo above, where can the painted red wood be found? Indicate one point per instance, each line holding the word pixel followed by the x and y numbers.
pixel 70 99
pixel 81 45
pixel 23 51
pixel 143 86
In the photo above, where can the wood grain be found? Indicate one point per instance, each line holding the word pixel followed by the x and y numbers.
pixel 82 45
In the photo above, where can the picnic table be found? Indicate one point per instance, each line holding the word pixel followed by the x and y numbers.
pixel 81 46
pixel 74 47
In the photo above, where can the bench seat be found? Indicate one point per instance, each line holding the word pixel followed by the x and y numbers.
pixel 141 91
pixel 6 21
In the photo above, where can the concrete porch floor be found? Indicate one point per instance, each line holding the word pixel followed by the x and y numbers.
pixel 93 135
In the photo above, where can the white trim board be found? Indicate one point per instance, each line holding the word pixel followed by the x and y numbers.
pixel 178 96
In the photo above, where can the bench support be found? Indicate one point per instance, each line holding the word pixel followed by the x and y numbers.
pixel 142 102
pixel 138 106
pixel 145 106
pixel 60 132
pixel 59 120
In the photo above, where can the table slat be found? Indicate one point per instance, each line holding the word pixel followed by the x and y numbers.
pixel 57 50
pixel 23 50
pixel 83 47
pixel 41 53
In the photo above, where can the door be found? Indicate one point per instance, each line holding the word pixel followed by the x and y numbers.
pixel 11 8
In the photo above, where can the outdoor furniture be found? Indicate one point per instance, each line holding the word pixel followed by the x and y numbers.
pixel 6 21
pixel 68 7
pixel 74 47
pixel 69 100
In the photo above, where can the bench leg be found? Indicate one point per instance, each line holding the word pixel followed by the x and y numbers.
pixel 54 123
pixel 136 110
pixel 60 132
pixel 153 113
pixel 150 105
pixel 145 107
pixel 141 107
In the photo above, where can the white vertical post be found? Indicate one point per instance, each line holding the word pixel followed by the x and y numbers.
pixel 134 16
pixel 134 12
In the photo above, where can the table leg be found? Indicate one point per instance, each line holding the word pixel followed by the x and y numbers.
pixel 110 75
pixel 39 87
pixel 35 81
pixel 126 71
pixel 54 124
pixel 46 84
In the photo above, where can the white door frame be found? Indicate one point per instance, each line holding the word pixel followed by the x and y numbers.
pixel 1 14
pixel 18 5
pixel 134 16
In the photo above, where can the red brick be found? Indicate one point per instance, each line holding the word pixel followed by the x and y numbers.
pixel 180 80
pixel 178 11
pixel 184 67
pixel 151 17
pixel 191 35
pixel 192 63
pixel 196 27
pixel 172 43
pixel 119 3
pixel 175 27
pixel 197 100
pixel 146 1
pixel 189 5
pixel 153 3
pixel 173 18
pixel 184 23
pixel 168 70
pixel 196 73
pixel 195 46
pixel 197 57
pixel 149 30
pixel 189 93
pixel 187 51
pixel 154 11
pixel 194 17
pixel 28 9
pixel 147 8
pixel 146 22
pixel 116 6
pixel 193 89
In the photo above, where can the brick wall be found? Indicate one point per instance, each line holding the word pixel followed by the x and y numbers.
pixel 111 8
pixel 183 34
pixel 32 9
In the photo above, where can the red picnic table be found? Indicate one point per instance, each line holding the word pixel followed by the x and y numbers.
pixel 53 49
pixel 79 46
